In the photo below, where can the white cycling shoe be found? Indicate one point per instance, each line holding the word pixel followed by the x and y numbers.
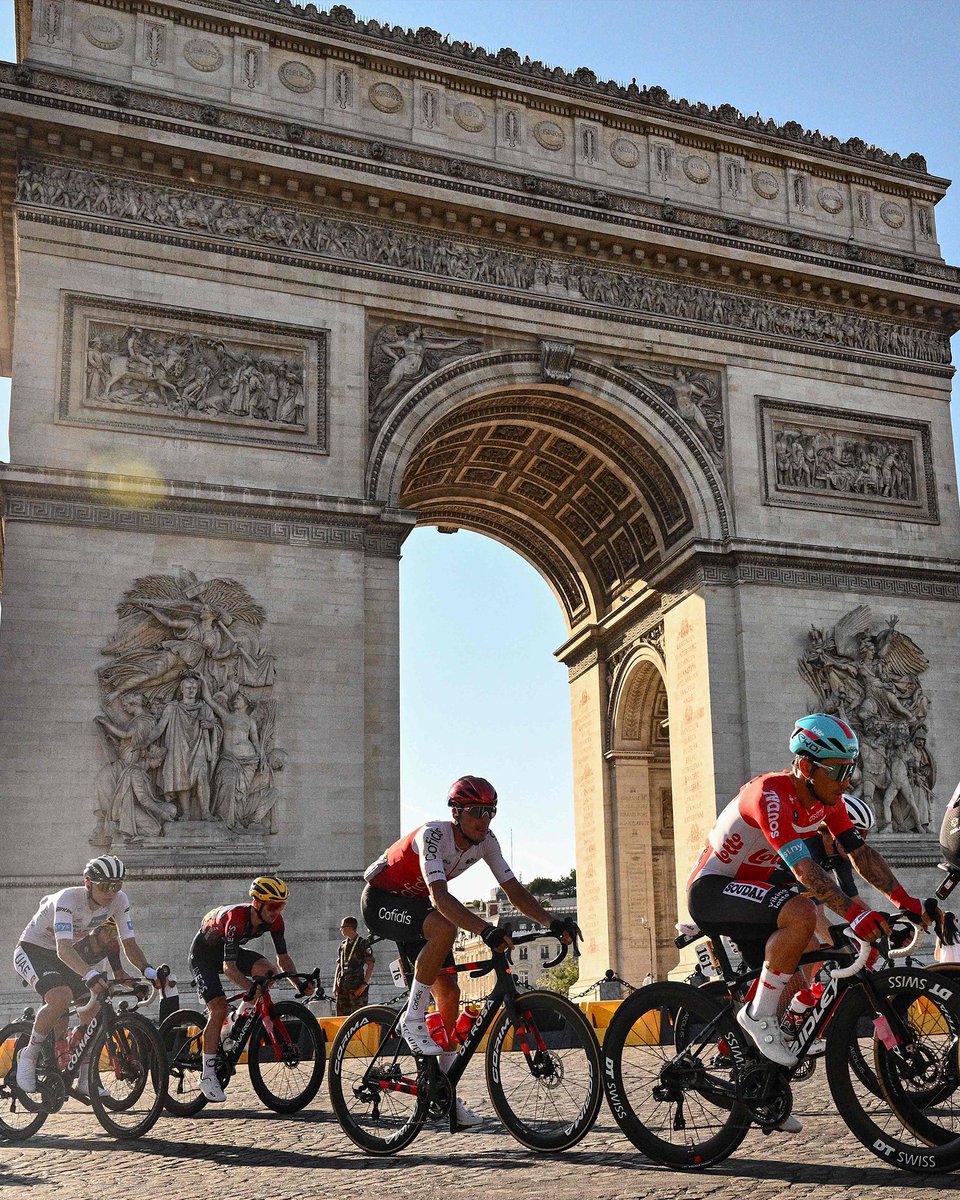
pixel 83 1087
pixel 418 1037
pixel 467 1118
pixel 26 1074
pixel 768 1037
pixel 211 1089
pixel 790 1125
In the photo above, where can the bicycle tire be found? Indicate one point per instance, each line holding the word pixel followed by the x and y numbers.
pixel 128 1060
pixel 289 1085
pixel 378 1118
pixel 654 1066
pixel 903 1125
pixel 17 1122
pixel 182 1034
pixel 543 1075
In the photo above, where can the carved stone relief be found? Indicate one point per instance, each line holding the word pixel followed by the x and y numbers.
pixel 869 676
pixel 815 458
pixel 385 97
pixel 470 116
pixel 625 152
pixel 297 76
pixel 549 135
pixel 695 395
pixel 166 370
pixel 765 185
pixel 103 32
pixel 203 55
pixel 402 355
pixel 308 233
pixel 188 718
pixel 556 361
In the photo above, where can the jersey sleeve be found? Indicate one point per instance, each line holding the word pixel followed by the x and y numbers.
pixel 278 933
pixel 62 918
pixel 493 857
pixel 120 911
pixel 772 812
pixel 837 819
pixel 232 929
pixel 429 846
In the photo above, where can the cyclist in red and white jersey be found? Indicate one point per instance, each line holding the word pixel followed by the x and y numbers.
pixel 407 900
pixel 747 883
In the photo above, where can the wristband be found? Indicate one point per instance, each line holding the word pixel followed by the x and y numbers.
pixel 92 975
pixel 150 973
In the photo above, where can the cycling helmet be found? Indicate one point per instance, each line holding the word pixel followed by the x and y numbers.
pixel 269 889
pixel 472 789
pixel 104 869
pixel 860 813
pixel 819 736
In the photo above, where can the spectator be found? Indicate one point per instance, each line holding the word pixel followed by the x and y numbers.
pixel 947 949
pixel 355 963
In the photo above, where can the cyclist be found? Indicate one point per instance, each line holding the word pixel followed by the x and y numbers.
pixel 218 948
pixel 48 957
pixel 746 883
pixel 407 900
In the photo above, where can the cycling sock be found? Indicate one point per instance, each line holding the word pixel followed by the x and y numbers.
pixel 446 1060
pixel 420 997
pixel 209 1066
pixel 771 985
pixel 32 1049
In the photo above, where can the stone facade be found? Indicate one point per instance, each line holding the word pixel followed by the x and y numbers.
pixel 287 283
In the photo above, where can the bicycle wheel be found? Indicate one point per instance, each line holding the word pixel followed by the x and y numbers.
pixel 17 1122
pixel 373 1084
pixel 543 1071
pixel 914 1122
pixel 288 1076
pixel 129 1064
pixel 182 1035
pixel 671 1057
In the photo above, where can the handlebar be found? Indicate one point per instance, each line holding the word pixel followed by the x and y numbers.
pixel 479 969
pixel 263 983
pixel 899 922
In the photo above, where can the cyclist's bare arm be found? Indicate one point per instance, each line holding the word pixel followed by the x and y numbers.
pixel 456 913
pixel 133 954
pixel 286 964
pixel 874 868
pixel 528 904
pixel 820 885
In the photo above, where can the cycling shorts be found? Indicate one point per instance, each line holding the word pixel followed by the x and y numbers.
pixel 745 911
pixel 42 970
pixel 399 918
pixel 206 966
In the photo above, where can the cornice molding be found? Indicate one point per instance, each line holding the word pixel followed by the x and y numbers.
pixel 135 109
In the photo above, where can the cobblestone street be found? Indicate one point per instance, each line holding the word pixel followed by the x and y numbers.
pixel 242 1150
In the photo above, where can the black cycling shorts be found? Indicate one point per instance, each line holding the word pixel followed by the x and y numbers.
pixel 744 911
pixel 399 918
pixel 206 966
pixel 43 970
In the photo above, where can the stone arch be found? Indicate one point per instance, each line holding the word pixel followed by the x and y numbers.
pixel 596 482
pixel 640 791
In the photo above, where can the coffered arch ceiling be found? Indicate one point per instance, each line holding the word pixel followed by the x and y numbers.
pixel 573 488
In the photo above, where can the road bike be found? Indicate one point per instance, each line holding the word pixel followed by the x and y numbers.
pixel 542 1067
pixel 685 1084
pixel 120 1052
pixel 283 1041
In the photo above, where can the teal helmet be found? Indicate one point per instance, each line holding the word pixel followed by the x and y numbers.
pixel 819 736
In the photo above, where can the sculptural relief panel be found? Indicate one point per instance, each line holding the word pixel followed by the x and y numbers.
pixel 187 726
pixel 814 458
pixel 403 354
pixel 868 674
pixel 164 370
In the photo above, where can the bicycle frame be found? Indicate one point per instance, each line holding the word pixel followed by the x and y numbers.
pixel 504 994
pixel 262 1008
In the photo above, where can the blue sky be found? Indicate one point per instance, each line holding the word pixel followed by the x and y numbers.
pixel 481 691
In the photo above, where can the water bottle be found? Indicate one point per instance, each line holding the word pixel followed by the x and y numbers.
pixel 438 1031
pixel 797 1009
pixel 465 1022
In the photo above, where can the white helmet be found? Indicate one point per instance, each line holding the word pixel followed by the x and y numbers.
pixel 104 869
pixel 860 813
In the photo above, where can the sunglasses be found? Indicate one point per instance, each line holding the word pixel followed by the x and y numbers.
pixel 114 885
pixel 839 772
pixel 479 811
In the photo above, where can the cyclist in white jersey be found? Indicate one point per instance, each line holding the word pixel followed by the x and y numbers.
pixel 407 900
pixel 47 960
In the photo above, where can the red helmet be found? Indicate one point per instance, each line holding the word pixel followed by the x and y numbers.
pixel 471 789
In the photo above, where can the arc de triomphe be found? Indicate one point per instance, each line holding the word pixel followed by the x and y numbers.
pixel 281 284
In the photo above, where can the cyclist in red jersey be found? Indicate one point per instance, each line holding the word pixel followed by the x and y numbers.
pixel 218 948
pixel 746 884
pixel 407 900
